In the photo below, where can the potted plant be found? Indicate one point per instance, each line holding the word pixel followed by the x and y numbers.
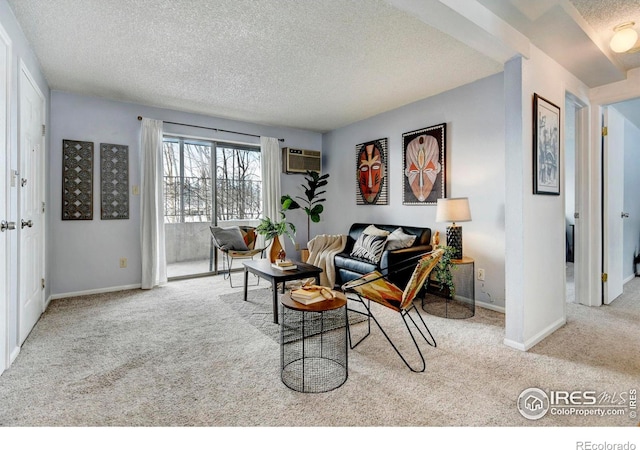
pixel 272 230
pixel 312 199
pixel 442 272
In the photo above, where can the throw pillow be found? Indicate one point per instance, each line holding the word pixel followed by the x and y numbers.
pixel 229 238
pixel 249 236
pixel 369 247
pixel 373 230
pixel 399 239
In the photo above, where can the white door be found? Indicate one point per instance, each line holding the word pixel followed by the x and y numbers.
pixel 31 217
pixel 613 195
pixel 4 199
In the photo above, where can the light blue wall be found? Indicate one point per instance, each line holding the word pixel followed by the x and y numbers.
pixel 631 242
pixel 474 115
pixel 84 255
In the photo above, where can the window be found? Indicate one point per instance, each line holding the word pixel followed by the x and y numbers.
pixel 205 183
pixel 239 183
pixel 188 184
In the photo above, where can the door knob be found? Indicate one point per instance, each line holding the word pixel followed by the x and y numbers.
pixel 27 223
pixel 4 225
pixel 624 215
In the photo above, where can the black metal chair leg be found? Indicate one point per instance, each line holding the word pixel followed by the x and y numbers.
pixel 415 343
pixel 227 274
pixel 432 343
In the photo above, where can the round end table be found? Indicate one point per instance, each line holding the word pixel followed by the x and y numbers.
pixel 313 344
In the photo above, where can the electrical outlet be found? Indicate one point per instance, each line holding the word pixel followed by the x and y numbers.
pixel 123 263
pixel 135 189
pixel 481 274
pixel 297 247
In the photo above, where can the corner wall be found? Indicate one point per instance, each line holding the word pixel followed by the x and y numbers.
pixel 535 302
pixel 85 255
pixel 474 115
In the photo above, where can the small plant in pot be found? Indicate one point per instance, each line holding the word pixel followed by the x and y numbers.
pixel 272 230
pixel 442 272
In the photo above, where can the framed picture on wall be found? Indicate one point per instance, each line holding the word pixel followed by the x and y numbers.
pixel 546 147
pixel 371 173
pixel 77 180
pixel 423 165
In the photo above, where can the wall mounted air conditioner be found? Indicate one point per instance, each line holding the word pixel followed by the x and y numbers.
pixel 295 160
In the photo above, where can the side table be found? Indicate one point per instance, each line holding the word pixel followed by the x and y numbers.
pixel 463 305
pixel 313 344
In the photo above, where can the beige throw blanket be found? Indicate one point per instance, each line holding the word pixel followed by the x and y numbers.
pixel 322 249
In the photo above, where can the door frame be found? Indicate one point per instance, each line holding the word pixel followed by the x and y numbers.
pixel 580 234
pixel 5 189
pixel 601 97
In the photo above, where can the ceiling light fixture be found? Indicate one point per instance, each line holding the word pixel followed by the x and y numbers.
pixel 625 37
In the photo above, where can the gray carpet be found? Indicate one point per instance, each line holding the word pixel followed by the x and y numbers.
pixel 180 356
pixel 258 311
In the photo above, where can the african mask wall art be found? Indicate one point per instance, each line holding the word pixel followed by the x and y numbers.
pixel 423 162
pixel 371 173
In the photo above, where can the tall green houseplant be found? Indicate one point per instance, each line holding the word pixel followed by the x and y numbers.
pixel 312 200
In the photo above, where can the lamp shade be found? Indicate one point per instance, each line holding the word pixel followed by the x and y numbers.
pixel 453 210
pixel 623 40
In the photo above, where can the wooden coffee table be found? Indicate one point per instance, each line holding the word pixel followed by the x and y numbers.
pixel 262 268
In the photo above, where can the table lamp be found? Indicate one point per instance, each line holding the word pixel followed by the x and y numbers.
pixel 453 210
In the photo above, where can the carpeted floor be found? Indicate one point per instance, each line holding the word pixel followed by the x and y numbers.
pixel 259 313
pixel 180 356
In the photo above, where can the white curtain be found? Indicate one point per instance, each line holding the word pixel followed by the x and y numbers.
pixel 271 168
pixel 154 262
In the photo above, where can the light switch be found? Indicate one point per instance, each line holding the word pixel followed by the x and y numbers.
pixel 135 189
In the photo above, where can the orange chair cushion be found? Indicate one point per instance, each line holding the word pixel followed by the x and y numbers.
pixel 379 290
pixel 419 276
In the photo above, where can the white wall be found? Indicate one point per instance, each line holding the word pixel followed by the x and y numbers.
pixel 535 280
pixel 84 255
pixel 631 240
pixel 20 53
pixel 475 169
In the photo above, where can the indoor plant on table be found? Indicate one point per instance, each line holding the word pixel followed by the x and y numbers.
pixel 442 272
pixel 272 231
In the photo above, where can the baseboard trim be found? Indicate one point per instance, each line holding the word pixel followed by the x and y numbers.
pixel 528 344
pixel 629 278
pixel 13 355
pixel 490 306
pixel 95 291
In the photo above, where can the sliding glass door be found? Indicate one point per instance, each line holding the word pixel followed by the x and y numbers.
pixel 206 183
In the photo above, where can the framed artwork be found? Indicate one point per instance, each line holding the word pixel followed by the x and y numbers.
pixel 423 165
pixel 77 180
pixel 371 173
pixel 546 147
pixel 114 181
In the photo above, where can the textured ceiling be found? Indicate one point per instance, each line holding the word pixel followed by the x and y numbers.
pixel 315 65
pixel 604 15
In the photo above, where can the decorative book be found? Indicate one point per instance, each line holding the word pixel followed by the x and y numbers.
pixel 287 267
pixel 311 294
pixel 284 263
